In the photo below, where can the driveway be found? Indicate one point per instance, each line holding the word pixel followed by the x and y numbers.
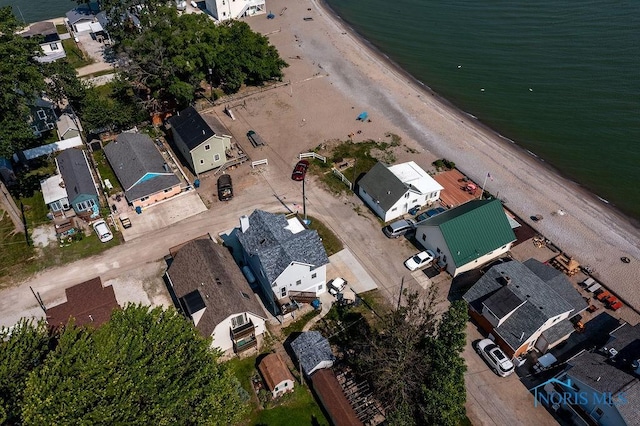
pixel 345 265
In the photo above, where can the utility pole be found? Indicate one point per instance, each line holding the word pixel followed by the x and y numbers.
pixel 304 201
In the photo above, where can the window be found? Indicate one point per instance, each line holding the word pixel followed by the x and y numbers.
pixel 224 13
pixel 144 198
pixel 298 282
pixel 424 237
pixel 415 201
pixel 283 292
pixel 167 190
pixel 444 258
pixel 599 412
pixel 201 161
pixel 85 205
pixel 320 287
pixel 394 209
pixel 42 115
pixel 504 247
pixel 406 195
pixel 54 46
pixel 286 384
pixel 238 321
pixel 216 157
pixel 314 275
pixel 207 147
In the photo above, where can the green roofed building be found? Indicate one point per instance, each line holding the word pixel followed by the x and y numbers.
pixel 467 236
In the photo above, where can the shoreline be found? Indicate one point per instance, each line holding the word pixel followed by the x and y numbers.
pixel 358 77
pixel 401 73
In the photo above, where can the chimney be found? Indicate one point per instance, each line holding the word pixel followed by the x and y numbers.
pixel 244 223
pixel 506 279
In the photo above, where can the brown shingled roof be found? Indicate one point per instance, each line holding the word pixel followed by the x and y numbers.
pixel 332 397
pixel 208 269
pixel 274 370
pixel 89 303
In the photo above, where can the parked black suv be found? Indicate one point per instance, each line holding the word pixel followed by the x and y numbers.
pixel 225 188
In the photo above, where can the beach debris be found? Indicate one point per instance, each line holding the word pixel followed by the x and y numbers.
pixel 362 116
pixel 625 259
pixel 271 16
pixel 282 11
pixel 459 66
pixel 307 18
pixel 530 89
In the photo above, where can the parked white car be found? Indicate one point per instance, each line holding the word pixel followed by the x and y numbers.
pixel 102 229
pixel 497 360
pixel 337 285
pixel 419 260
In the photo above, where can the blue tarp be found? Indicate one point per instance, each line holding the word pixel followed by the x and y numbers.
pixel 363 116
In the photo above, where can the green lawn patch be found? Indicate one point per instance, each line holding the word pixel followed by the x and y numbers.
pixel 359 157
pixel 330 241
pixel 298 325
pixel 35 210
pixel 106 172
pixel 75 56
pixel 15 251
pixel 295 408
pixel 61 29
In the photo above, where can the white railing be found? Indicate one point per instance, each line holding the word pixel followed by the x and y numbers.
pixel 342 178
pixel 259 162
pixel 312 154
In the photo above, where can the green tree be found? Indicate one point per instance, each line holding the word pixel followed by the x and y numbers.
pixel 21 77
pixel 444 394
pixel 22 349
pixel 412 358
pixel 145 366
pixel 63 84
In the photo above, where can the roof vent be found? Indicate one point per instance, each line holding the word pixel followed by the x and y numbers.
pixel 203 132
pixel 505 279
pixel 388 192
pixel 612 352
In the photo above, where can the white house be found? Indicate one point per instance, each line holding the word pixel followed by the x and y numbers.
pixel 525 305
pixel 467 236
pixel 288 260
pixel 224 10
pixel 50 43
pixel 391 191
pixel 212 291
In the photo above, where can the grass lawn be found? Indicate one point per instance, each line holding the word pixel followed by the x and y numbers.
pixel 15 251
pixel 35 210
pixel 296 408
pixel 360 158
pixel 75 56
pixel 330 241
pixel 106 172
pixel 62 29
pixel 299 324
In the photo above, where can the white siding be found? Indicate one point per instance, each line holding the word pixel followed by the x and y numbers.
pixel 303 273
pixel 223 10
pixel 282 387
pixel 430 237
pixel 222 333
pixel 372 204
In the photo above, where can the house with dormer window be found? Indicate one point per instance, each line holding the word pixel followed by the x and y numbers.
pixel 524 306
pixel 288 260
pixel 213 293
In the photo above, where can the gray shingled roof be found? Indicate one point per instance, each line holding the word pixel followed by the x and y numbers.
pixel 541 300
pixel 133 156
pixel 558 331
pixel 559 282
pixel 75 173
pixel 80 13
pixel 311 349
pixel 383 186
pixel 593 369
pixel 191 127
pixel 277 247
pixel 207 267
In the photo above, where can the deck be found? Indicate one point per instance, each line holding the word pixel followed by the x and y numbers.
pixel 455 192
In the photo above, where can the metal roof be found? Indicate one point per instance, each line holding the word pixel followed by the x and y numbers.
pixel 473 229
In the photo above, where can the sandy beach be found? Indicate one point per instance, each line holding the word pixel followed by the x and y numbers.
pixel 335 75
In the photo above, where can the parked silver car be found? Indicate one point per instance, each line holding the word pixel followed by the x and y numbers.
pixel 398 228
pixel 497 360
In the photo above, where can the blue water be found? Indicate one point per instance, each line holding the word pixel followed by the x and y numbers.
pixel 561 78
pixel 39 10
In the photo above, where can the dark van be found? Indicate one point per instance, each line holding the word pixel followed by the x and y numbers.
pixel 225 188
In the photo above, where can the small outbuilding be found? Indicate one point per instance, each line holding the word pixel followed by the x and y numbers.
pixel 276 375
pixel 312 352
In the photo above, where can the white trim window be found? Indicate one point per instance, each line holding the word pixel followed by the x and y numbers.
pixel 216 157
pixel 239 321
pixel 85 205
pixel 207 147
